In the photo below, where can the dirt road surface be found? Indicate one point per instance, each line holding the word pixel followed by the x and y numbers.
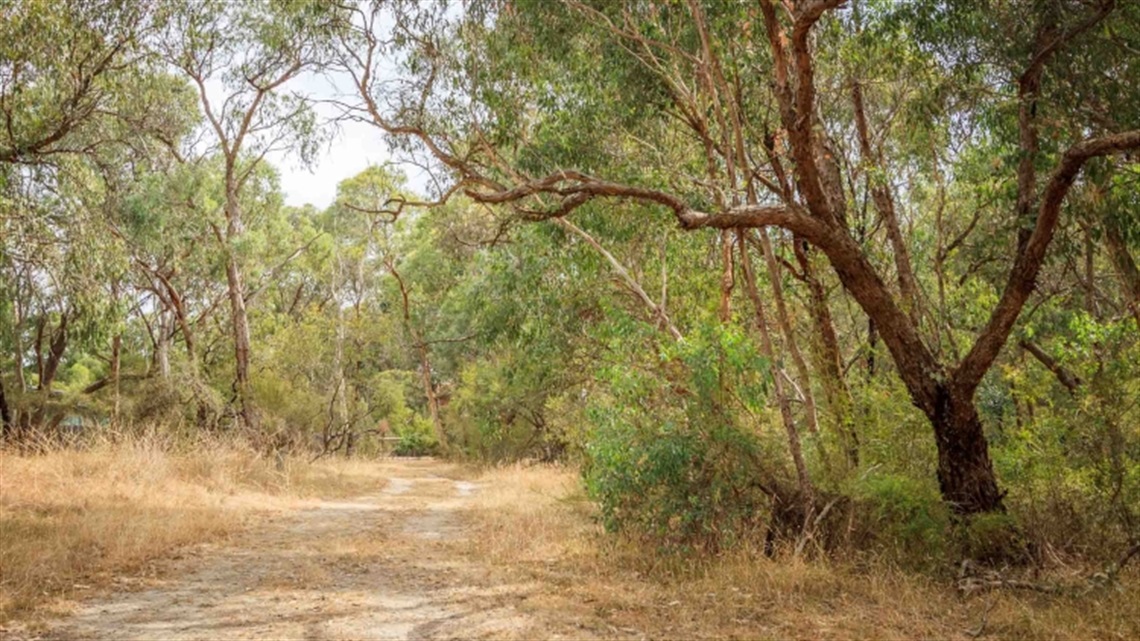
pixel 379 566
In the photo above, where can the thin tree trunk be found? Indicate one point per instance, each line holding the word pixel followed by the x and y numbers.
pixel 116 361
pixel 5 414
pixel 162 346
pixel 657 310
pixel 1064 376
pixel 835 389
pixel 794 446
pixel 55 354
pixel 425 360
pixel 783 319
pixel 240 325
pixel 727 278
pixel 885 205
pixel 429 391
pixel 18 344
pixel 116 364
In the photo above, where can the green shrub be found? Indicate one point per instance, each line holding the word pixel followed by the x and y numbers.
pixel 907 516
pixel 664 459
pixel 417 438
pixel 683 487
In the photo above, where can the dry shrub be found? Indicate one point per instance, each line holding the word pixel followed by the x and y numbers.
pixel 535 524
pixel 71 519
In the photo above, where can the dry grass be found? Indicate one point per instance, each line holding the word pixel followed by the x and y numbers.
pixel 71 520
pixel 535 524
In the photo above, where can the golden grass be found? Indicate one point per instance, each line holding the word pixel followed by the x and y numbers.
pixel 71 520
pixel 535 524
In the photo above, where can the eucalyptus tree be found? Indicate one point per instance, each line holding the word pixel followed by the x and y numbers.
pixel 69 69
pixel 84 106
pixel 241 57
pixel 738 116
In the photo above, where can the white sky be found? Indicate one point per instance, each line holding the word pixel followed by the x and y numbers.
pixel 354 147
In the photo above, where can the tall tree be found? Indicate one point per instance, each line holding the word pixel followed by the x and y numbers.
pixel 240 57
pixel 644 71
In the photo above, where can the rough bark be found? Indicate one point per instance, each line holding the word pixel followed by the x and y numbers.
pixel 965 472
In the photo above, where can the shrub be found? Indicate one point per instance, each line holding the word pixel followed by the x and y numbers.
pixel 417 438
pixel 663 457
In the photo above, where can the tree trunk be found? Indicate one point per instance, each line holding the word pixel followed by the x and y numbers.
pixel 55 355
pixel 162 346
pixel 241 343
pixel 795 449
pixel 830 362
pixel 429 391
pixel 422 348
pixel 5 414
pixel 965 472
pixel 1125 266
pixel 727 279
pixel 785 323
pixel 18 344
pixel 116 365
pixel 885 204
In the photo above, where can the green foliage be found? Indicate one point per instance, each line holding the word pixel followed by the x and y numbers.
pixel 665 459
pixel 417 438
pixel 906 516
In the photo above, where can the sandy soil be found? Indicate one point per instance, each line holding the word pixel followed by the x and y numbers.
pixel 379 566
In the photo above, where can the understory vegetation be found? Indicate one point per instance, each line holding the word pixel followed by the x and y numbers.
pixel 817 282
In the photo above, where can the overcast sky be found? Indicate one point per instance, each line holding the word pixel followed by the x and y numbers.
pixel 354 147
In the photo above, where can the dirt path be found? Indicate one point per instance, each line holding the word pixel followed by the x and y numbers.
pixel 373 567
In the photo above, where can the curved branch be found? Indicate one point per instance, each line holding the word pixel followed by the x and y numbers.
pixel 1023 274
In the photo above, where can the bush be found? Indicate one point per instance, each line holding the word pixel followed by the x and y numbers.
pixel 685 488
pixel 907 516
pixel 663 458
pixel 417 438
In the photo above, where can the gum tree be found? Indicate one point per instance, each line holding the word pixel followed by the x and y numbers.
pixel 737 116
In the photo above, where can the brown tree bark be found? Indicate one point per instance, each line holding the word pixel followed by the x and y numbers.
pixel 965 472
pixel 836 393
pixel 885 204
pixel 1064 376
pixel 424 356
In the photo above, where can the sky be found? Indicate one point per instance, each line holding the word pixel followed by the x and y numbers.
pixel 354 147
